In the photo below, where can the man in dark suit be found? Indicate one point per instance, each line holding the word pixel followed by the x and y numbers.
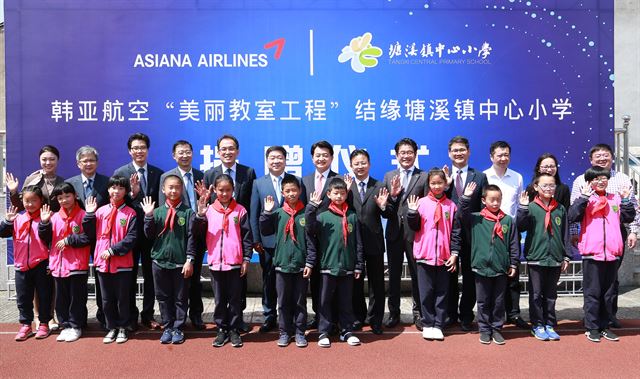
pixel 182 153
pixel 243 177
pixel 322 156
pixel 368 197
pixel 461 175
pixel 145 181
pixel 269 185
pixel 401 183
pixel 90 183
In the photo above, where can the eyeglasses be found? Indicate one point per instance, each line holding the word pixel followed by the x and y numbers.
pixel 456 151
pixel 548 186
pixel 549 167
pixel 88 161
pixel 406 153
pixel 182 153
pixel 138 148
pixel 601 179
pixel 227 149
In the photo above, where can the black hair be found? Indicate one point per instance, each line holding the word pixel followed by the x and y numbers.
pixel 181 142
pixel 228 136
pixel 119 181
pixel 63 188
pixel 173 176
pixel 596 171
pixel 323 145
pixel 357 152
pixel 499 145
pixel 436 171
pixel 35 190
pixel 536 169
pixel 223 178
pixel 458 139
pixel 138 136
pixel 406 141
pixel 536 179
pixel 490 187
pixel 49 149
pixel 275 148
pixel 289 179
pixel 337 184
pixel 600 146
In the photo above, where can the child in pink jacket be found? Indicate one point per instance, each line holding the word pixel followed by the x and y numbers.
pixel 435 249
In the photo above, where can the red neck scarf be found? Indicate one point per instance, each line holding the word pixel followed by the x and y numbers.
pixel 171 215
pixel 601 207
pixel 497 229
pixel 341 211
pixel 25 228
pixel 111 219
pixel 68 217
pixel 553 204
pixel 290 227
pixel 217 206
pixel 438 214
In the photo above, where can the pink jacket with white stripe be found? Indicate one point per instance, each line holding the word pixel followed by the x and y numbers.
pixel 28 250
pixel 74 258
pixel 226 251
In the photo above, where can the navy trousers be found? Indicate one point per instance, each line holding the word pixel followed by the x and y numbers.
pixel 598 287
pixel 433 284
pixel 490 292
pixel 39 281
pixel 172 293
pixel 227 289
pixel 292 302
pixel 71 300
pixel 543 293
pixel 340 288
pixel 116 298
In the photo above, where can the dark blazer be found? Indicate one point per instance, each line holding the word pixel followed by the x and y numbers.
pixel 37 179
pixel 309 184
pixel 263 187
pixel 153 183
pixel 476 199
pixel 245 176
pixel 369 215
pixel 417 186
pixel 100 189
pixel 197 176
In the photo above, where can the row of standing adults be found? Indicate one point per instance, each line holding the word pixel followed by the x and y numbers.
pixel 249 191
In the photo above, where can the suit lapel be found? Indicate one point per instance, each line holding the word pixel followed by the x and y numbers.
pixel 370 186
pixel 414 178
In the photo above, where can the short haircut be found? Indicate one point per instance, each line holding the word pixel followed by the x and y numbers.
pixel 536 169
pixel 490 187
pixel 49 149
pixel 63 188
pixel 337 184
pixel 84 150
pixel 138 136
pixel 323 145
pixel 499 145
pixel 35 190
pixel 275 148
pixel 223 178
pixel 180 142
pixel 357 152
pixel 598 147
pixel 289 179
pixel 119 181
pixel 436 171
pixel 406 141
pixel 537 178
pixel 173 176
pixel 228 136
pixel 596 171
pixel 458 139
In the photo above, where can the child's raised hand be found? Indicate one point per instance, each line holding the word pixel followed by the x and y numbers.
pixel 12 182
pixel 11 214
pixel 269 203
pixel 148 205
pixel 45 213
pixel 412 202
pixel 587 190
pixel 396 186
pixel 447 173
pixel 469 189
pixel 202 205
pixel 451 263
pixel 348 179
pixel 187 269
pixel 306 273
pixel 383 197
pixel 90 204
pixel 134 180
pixel 60 245
pixel 243 268
pixel 524 198
pixel 315 198
pixel 105 255
pixel 625 192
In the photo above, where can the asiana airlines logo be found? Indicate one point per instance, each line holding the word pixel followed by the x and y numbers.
pixel 361 53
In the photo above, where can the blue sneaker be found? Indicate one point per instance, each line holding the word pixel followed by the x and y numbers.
pixel 540 333
pixel 553 336
pixel 166 336
pixel 178 337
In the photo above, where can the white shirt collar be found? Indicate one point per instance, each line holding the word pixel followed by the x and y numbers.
pixel 365 181
pixel 85 179
pixel 233 168
pixel 136 167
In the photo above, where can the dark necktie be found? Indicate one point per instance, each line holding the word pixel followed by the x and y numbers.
pixel 459 189
pixel 143 181
pixel 362 192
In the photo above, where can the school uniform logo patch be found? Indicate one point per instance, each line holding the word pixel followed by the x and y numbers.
pixel 181 221
pixel 235 220
pixel 350 227
pixel 615 208
pixel 447 215
pixel 558 220
pixel 123 222
pixel 75 229
pixel 505 229
pixel 302 222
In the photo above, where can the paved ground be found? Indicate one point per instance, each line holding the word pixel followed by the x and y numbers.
pixel 568 308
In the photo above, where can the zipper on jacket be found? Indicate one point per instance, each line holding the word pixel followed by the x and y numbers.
pixel 60 265
pixel 221 243
pixel 29 245
pixel 604 242
pixel 435 260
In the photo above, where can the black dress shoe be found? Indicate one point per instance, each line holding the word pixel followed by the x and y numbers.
pixel 392 321
pixel 615 323
pixel 312 324
pixel 244 327
pixel 357 325
pixel 417 322
pixel 466 326
pixel 267 326
pixel 519 322
pixel 376 329
pixel 197 323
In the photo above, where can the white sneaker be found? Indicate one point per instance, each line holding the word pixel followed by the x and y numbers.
pixel 122 336
pixel 73 335
pixel 53 325
pixel 63 335
pixel 350 339
pixel 427 333
pixel 324 341
pixel 111 336
pixel 436 334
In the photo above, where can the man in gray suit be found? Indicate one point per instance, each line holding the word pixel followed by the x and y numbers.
pixel 182 153
pixel 401 183
pixel 269 185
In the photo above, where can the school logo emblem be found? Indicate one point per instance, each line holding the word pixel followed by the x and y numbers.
pixel 615 208
pixel 76 229
pixel 235 220
pixel 558 220
pixel 302 222
pixel 447 215
pixel 350 227
pixel 361 53
pixel 123 222
pixel 181 221
pixel 505 229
